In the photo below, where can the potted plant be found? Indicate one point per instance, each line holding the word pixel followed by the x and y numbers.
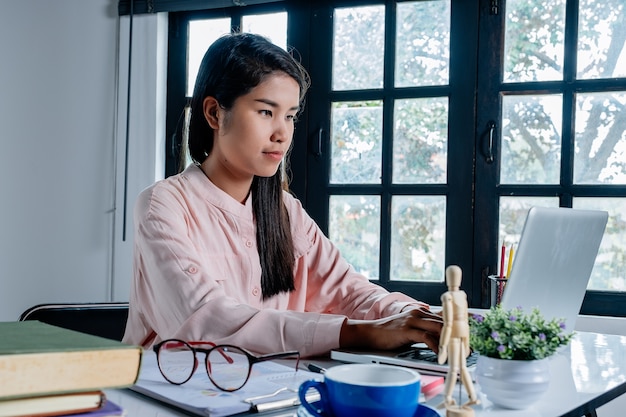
pixel 514 348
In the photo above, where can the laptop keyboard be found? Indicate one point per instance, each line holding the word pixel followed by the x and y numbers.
pixel 430 356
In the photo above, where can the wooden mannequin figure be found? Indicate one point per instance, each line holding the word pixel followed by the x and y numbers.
pixel 454 344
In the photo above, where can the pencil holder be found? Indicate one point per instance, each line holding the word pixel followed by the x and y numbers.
pixel 497 285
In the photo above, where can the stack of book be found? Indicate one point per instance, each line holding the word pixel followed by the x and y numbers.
pixel 50 371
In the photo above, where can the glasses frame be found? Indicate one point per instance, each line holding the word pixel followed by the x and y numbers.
pixel 192 345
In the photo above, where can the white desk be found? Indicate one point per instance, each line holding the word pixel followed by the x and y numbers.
pixel 585 376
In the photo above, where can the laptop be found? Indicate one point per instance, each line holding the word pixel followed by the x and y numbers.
pixel 554 260
pixel 551 270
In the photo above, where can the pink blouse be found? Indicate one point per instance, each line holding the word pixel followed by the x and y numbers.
pixel 197 275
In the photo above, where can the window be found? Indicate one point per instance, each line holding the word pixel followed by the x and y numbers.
pixel 553 106
pixel 432 126
pixel 391 161
pixel 367 108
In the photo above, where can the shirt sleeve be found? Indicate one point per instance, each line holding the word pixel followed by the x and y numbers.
pixel 333 286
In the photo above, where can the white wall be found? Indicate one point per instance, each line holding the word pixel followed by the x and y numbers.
pixel 61 151
pixel 146 126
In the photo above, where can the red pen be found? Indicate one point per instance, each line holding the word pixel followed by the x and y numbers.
pixel 502 261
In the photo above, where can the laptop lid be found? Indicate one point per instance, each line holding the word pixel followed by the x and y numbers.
pixel 554 260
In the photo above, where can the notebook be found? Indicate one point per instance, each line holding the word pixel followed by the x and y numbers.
pixel 555 256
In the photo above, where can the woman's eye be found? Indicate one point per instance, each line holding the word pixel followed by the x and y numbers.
pixel 266 112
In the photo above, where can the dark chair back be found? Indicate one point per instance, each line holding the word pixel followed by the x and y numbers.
pixel 100 319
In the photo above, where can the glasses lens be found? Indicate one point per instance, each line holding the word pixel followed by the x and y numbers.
pixel 176 361
pixel 228 367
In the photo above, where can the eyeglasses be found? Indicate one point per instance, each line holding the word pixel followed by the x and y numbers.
pixel 227 366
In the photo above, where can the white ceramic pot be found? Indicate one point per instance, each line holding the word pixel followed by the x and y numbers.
pixel 512 384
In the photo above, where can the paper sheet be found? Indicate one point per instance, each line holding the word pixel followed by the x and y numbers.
pixel 201 397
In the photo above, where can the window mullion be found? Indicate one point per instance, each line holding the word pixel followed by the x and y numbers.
pixel 569 102
pixel 387 147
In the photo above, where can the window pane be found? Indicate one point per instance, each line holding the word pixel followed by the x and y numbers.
pixel 609 271
pixel 354 226
pixel 601 39
pixel 270 25
pixel 513 212
pixel 533 40
pixel 420 143
pixel 531 139
pixel 600 153
pixel 418 231
pixel 202 33
pixel 356 142
pixel 422 43
pixel 358 48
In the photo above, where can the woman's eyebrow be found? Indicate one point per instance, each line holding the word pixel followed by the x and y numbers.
pixel 274 104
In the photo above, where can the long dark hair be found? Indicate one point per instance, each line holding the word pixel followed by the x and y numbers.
pixel 232 66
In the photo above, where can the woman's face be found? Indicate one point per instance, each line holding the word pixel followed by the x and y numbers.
pixel 254 135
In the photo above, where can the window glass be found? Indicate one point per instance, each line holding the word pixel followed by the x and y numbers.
pixel 356 142
pixel 418 225
pixel 202 33
pixel 513 212
pixel 531 139
pixel 609 271
pixel 358 48
pixel 601 39
pixel 420 142
pixel 422 43
pixel 354 226
pixel 600 152
pixel 271 25
pixel 534 40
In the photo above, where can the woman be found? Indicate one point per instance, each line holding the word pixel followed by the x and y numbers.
pixel 224 254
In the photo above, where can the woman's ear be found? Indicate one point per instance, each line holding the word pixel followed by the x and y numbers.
pixel 211 108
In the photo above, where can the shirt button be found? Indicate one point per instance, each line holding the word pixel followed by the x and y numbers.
pixel 192 270
pixel 255 292
pixel 248 244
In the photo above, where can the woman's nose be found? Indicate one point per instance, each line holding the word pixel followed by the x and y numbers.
pixel 281 131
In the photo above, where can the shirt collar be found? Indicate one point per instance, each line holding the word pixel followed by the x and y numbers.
pixel 205 188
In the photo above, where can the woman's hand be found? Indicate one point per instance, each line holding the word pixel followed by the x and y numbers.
pixel 413 326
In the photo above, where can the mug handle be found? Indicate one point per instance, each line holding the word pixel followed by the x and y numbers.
pixel 321 388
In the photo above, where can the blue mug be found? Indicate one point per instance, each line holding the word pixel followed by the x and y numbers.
pixel 364 390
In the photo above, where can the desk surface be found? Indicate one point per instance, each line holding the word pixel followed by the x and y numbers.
pixel 585 376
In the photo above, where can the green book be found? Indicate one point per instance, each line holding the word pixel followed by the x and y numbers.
pixel 40 359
